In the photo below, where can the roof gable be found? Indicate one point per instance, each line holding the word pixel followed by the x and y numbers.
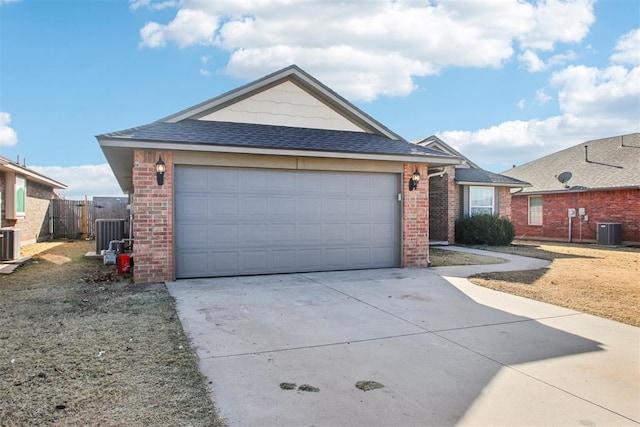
pixel 436 143
pixel 606 163
pixel 289 97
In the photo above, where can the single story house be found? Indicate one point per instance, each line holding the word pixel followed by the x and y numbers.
pixel 462 190
pixel 576 192
pixel 280 175
pixel 24 201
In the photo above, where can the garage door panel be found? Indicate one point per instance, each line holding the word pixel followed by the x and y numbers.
pixel 254 260
pixel 281 207
pixel 223 235
pixel 253 207
pixel 221 206
pixel 250 221
pixel 309 259
pixel 309 208
pixel 222 180
pixel 224 262
pixel 283 259
pixel 335 233
pixel 193 236
pixel 282 234
pixel 360 256
pixel 309 233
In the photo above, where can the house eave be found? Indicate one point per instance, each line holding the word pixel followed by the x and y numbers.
pixel 493 184
pixel 34 176
pixel 582 190
pixel 119 154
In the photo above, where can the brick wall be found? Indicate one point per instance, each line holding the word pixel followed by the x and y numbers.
pixel 415 219
pixel 444 206
pixel 504 202
pixel 621 206
pixel 153 218
pixel 35 226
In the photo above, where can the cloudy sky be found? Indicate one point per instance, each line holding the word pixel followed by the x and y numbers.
pixel 502 81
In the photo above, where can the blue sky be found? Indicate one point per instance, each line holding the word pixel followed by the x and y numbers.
pixel 502 81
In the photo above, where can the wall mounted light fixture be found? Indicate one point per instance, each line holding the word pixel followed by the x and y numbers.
pixel 160 170
pixel 415 179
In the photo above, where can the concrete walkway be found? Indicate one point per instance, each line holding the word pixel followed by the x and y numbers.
pixel 446 351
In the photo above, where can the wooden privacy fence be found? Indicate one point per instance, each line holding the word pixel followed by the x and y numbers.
pixel 76 219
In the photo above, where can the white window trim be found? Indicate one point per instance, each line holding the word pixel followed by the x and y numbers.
pixel 493 199
pixel 529 222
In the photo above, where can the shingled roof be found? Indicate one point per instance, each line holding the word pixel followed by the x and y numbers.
pixel 266 136
pixel 472 176
pixel 607 163
pixel 469 173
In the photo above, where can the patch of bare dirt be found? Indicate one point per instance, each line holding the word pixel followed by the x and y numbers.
pixel 601 281
pixel 80 345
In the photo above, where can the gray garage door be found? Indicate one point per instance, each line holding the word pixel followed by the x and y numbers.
pixel 256 221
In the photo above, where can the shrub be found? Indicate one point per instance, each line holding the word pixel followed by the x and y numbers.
pixel 485 230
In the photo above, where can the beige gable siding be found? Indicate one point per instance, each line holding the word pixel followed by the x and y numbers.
pixel 284 105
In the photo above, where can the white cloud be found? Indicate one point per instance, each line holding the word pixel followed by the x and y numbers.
pixel 84 180
pixel 136 4
pixel 542 97
pixel 8 136
pixel 531 61
pixel 189 27
pixel 381 45
pixel 627 50
pixel 204 60
pixel 522 104
pixel 593 103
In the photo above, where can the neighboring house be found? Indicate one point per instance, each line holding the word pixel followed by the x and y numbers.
pixel 24 199
pixel 280 175
pixel 464 190
pixel 599 179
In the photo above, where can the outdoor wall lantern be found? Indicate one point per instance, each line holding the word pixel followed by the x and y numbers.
pixel 160 169
pixel 415 179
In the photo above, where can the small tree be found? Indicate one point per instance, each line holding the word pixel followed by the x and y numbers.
pixel 485 230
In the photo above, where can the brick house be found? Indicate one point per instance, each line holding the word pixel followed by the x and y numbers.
pixel 280 175
pixel 24 201
pixel 598 180
pixel 461 190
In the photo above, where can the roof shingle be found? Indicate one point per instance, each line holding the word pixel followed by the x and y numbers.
pixel 267 136
pixel 609 163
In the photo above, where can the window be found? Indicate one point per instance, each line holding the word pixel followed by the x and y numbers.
pixel 480 200
pixel 21 197
pixel 535 210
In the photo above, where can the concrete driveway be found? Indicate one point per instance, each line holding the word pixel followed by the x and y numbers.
pixel 446 351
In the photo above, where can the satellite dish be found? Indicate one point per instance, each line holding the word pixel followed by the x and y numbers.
pixel 564 177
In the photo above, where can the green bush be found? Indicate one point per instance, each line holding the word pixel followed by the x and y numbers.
pixel 485 230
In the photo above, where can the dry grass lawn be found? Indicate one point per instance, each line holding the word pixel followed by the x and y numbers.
pixel 79 346
pixel 592 279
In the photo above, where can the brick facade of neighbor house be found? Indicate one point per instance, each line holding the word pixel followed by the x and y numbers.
pixel 444 206
pixel 153 224
pixel 34 227
pixel 621 206
pixel 415 235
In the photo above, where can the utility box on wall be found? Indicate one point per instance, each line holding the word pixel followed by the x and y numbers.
pixel 609 233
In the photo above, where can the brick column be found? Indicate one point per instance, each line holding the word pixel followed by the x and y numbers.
pixel 415 218
pixel 152 218
pixel 453 203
